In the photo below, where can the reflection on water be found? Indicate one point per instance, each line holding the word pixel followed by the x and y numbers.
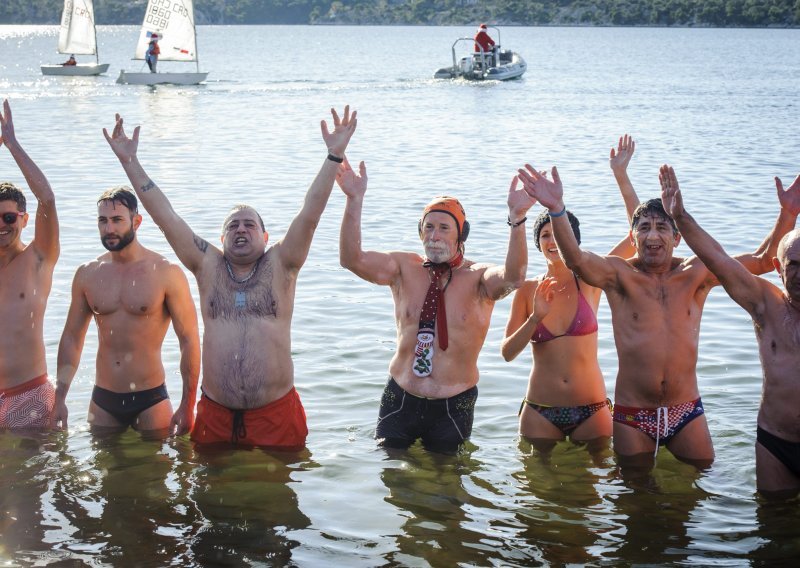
pixel 163 502
pixel 442 513
pixel 778 539
pixel 244 506
pixel 560 501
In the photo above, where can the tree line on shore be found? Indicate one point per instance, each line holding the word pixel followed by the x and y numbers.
pixel 719 13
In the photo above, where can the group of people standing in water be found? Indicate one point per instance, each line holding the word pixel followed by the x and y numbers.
pixel 443 308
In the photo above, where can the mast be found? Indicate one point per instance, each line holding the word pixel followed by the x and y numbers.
pixel 194 32
pixel 96 46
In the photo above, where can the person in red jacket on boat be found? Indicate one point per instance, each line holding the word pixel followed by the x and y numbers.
pixel 483 40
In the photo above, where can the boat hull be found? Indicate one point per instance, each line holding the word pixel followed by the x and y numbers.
pixel 79 70
pixel 128 78
pixel 514 66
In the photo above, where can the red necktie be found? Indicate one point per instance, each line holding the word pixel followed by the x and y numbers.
pixel 433 317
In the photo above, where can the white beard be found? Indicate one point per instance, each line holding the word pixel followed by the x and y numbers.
pixel 438 254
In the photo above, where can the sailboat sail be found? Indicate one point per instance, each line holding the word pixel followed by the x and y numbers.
pixel 77 28
pixel 173 21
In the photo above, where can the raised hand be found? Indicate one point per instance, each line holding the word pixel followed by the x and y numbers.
pixel 343 129
pixel 124 147
pixel 352 184
pixel 619 160
pixel 518 201
pixel 671 196
pixel 548 193
pixel 543 297
pixel 790 197
pixel 7 135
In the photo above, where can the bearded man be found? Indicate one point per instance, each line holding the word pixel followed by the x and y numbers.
pixel 133 294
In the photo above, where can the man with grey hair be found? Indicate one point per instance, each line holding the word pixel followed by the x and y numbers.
pixel 26 277
pixel 247 299
pixel 776 318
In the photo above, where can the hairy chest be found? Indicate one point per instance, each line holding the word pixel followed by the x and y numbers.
pixel 229 299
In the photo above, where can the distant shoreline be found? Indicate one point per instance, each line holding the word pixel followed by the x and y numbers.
pixel 756 14
pixel 414 25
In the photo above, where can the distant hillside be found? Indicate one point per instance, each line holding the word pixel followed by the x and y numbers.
pixel 723 13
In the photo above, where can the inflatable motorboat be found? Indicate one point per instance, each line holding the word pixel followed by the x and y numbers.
pixel 495 64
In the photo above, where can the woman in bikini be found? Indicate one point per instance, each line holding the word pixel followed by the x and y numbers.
pixel 556 314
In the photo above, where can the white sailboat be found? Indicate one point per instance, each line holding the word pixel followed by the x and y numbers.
pixel 77 36
pixel 174 23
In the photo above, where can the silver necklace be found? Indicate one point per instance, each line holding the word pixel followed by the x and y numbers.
pixel 246 278
pixel 240 296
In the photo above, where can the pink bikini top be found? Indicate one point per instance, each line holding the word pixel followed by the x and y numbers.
pixel 584 322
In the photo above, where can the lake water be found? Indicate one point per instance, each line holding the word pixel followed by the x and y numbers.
pixel 719 105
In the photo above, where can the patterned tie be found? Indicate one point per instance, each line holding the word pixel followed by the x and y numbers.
pixel 433 316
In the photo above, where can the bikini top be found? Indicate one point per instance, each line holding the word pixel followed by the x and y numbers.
pixel 584 322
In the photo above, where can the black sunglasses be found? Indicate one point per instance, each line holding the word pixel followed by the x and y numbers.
pixel 11 217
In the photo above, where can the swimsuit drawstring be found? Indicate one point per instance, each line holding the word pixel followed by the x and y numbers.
pixel 659 411
pixel 239 430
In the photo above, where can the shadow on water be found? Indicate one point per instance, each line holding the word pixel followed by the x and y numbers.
pixel 145 503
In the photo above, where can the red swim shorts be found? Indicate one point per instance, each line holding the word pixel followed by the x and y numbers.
pixel 28 405
pixel 279 424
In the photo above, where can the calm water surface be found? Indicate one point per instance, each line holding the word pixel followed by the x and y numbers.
pixel 719 105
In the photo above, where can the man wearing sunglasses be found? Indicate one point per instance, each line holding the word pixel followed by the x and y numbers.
pixel 133 294
pixel 26 276
pixel 247 298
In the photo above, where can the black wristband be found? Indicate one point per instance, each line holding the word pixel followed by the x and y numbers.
pixel 336 159
pixel 517 224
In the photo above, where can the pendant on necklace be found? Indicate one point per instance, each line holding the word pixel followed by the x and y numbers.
pixel 240 300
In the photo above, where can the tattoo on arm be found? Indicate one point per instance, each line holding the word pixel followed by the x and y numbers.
pixel 201 244
pixel 148 186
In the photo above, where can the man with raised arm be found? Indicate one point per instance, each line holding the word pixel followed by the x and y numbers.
pixel 656 303
pixel 443 307
pixel 247 300
pixel 133 294
pixel 26 276
pixel 776 318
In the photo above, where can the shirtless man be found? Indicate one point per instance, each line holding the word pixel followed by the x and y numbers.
pixel 26 276
pixel 656 303
pixel 776 317
pixel 443 307
pixel 133 294
pixel 247 300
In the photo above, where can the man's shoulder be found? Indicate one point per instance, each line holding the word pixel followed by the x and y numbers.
pixel 406 257
pixel 474 267
pixel 160 262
